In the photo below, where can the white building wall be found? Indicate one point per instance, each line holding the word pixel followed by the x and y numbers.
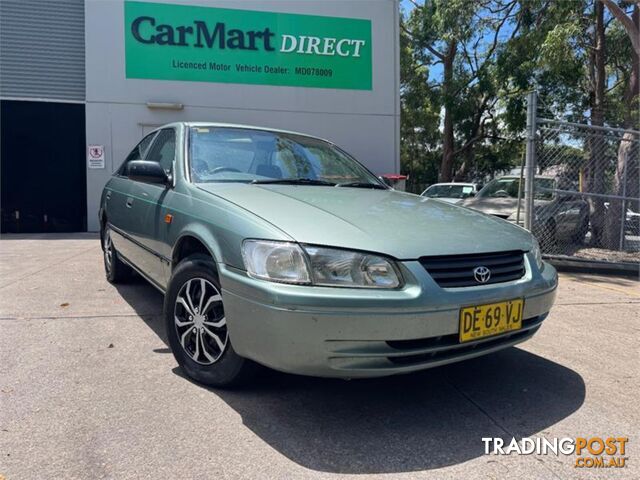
pixel 363 122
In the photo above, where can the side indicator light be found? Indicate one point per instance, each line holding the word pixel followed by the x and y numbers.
pixel 168 218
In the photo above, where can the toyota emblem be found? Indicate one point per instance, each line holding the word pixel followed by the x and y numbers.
pixel 481 274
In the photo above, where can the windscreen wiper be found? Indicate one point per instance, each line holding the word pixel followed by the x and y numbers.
pixel 375 186
pixel 292 181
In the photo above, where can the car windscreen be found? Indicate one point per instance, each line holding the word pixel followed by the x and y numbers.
pixel 448 191
pixel 223 154
pixel 508 188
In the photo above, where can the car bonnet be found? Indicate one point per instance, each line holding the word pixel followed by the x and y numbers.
pixel 398 224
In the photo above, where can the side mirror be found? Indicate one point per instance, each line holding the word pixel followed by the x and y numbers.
pixel 146 171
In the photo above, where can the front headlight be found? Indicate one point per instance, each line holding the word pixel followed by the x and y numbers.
pixel 290 263
pixel 343 268
pixel 537 254
pixel 276 261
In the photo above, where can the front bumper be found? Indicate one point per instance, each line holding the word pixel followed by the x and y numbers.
pixel 351 333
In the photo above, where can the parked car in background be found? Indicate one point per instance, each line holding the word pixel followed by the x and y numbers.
pixel 279 248
pixel 451 192
pixel 556 217
pixel 631 220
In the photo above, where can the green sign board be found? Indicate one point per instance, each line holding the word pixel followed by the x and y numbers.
pixel 181 42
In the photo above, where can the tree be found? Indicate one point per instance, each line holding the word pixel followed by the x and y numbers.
pixel 419 113
pixel 467 64
pixel 596 166
pixel 629 140
pixel 462 37
pixel 580 73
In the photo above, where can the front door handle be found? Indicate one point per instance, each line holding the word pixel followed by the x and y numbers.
pixel 129 202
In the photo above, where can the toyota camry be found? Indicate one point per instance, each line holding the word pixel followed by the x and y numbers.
pixel 280 249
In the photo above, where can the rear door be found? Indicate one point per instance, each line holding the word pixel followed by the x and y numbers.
pixel 569 217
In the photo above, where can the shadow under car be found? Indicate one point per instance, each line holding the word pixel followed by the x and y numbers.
pixel 426 420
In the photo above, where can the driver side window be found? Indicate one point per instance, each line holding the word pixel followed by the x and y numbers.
pixel 163 149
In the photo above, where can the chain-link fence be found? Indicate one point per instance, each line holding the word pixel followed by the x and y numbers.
pixel 585 191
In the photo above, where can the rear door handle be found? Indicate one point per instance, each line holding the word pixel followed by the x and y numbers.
pixel 129 202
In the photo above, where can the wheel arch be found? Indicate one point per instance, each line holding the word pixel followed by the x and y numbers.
pixel 190 242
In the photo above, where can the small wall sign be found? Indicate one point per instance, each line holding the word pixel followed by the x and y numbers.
pixel 95 156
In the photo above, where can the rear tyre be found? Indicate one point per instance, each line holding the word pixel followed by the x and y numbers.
pixel 115 269
pixel 197 328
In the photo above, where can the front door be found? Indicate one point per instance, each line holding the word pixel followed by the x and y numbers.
pixel 569 217
pixel 119 202
pixel 147 225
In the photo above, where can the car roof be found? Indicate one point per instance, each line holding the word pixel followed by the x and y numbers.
pixel 515 177
pixel 237 125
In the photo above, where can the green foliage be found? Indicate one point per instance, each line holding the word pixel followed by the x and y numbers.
pixel 420 115
pixel 504 48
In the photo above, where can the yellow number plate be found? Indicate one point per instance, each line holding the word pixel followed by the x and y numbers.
pixel 491 319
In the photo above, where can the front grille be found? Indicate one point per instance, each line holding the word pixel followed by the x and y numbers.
pixel 457 270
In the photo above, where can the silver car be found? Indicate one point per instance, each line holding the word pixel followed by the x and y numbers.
pixel 557 217
pixel 280 249
pixel 451 192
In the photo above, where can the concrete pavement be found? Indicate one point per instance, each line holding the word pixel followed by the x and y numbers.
pixel 89 389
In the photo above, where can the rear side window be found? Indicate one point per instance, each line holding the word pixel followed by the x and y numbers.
pixel 163 149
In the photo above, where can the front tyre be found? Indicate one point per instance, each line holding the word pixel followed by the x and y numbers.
pixel 197 328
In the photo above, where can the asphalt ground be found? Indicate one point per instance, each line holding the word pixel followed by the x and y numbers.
pixel 89 389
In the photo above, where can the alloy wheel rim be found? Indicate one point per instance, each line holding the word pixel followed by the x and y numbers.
pixel 200 322
pixel 108 251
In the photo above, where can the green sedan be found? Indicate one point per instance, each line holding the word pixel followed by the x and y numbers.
pixel 280 249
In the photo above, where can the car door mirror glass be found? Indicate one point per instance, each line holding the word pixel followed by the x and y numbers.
pixel 146 171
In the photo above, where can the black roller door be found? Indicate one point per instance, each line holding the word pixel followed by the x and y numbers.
pixel 43 167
